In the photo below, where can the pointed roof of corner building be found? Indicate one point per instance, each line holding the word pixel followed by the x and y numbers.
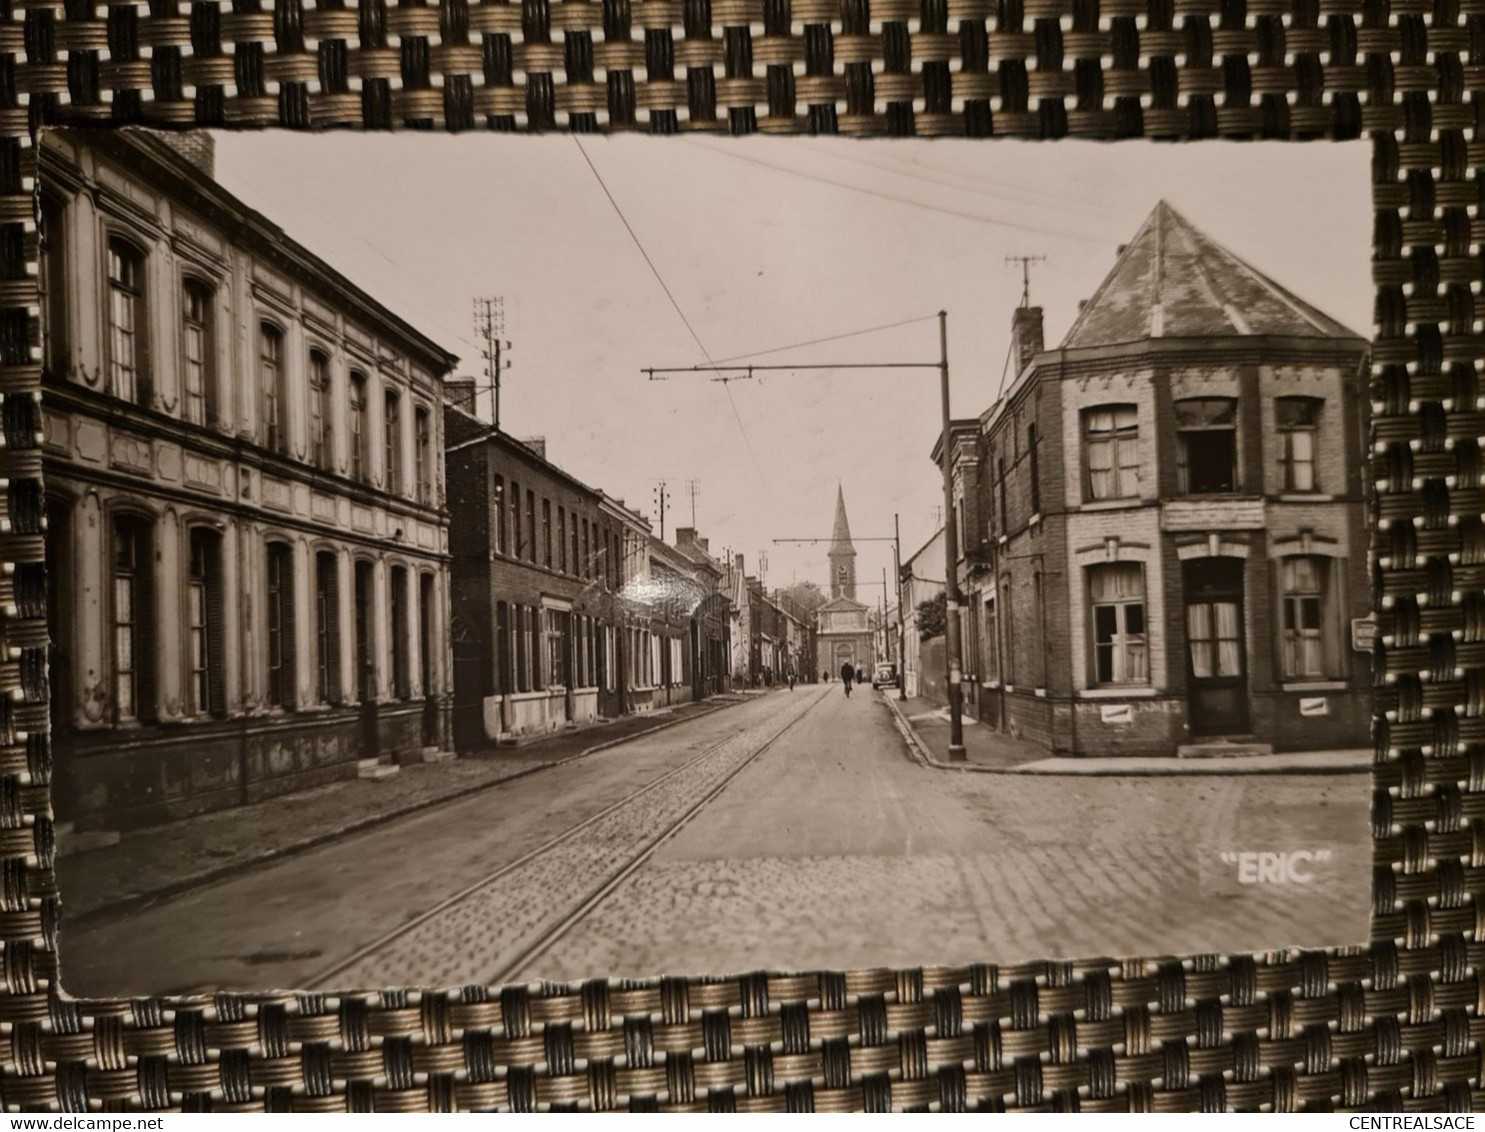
pixel 840 537
pixel 1173 281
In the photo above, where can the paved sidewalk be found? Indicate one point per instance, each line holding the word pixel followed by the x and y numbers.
pixel 163 860
pixel 925 726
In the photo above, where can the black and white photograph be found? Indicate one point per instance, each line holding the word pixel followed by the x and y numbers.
pixel 491 560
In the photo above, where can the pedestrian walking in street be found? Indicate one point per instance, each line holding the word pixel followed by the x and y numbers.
pixel 847 674
pixel 791 679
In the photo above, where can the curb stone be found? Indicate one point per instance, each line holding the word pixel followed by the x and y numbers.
pixel 920 753
pixel 137 901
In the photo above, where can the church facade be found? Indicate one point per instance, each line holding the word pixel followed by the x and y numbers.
pixel 843 633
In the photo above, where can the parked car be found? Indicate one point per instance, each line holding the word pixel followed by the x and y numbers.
pixel 884 675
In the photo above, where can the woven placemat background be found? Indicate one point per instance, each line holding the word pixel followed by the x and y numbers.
pixel 1392 1025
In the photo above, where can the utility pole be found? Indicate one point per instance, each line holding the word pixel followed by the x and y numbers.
pixel 489 324
pixel 1025 261
pixel 693 488
pixel 661 492
pixel 901 613
pixel 952 644
pixel 952 634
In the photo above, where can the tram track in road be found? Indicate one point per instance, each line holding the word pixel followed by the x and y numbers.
pixel 431 940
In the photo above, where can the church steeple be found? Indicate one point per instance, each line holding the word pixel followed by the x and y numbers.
pixel 842 553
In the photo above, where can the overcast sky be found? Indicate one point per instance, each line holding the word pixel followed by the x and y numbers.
pixel 764 243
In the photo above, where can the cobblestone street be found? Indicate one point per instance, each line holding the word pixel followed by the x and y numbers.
pixel 817 843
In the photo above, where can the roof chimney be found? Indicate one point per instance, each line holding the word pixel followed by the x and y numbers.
pixel 459 393
pixel 1026 329
pixel 537 444
pixel 196 146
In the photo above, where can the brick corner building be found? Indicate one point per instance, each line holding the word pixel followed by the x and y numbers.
pixel 1162 522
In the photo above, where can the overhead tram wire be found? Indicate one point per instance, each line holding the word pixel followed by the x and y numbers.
pixel 991 221
pixel 831 338
pixel 1007 194
pixel 655 271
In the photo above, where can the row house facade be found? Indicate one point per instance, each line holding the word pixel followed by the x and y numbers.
pixel 247 545
pixel 1163 522
pixel 537 566
pixel 565 608
pixel 710 645
pixel 922 581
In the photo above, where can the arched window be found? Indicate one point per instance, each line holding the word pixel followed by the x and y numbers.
pixel 132 621
pixel 280 610
pixel 198 393
pixel 392 443
pixel 272 384
pixel 327 628
pixel 128 354
pixel 359 462
pixel 320 411
pixel 205 676
pixel 401 630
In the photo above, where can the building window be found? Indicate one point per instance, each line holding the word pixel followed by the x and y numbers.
pixel 54 281
pixel 523 672
pixel 392 443
pixel 423 455
pixel 991 641
pixel 133 622
pixel 320 410
pixel 1298 420
pixel 205 684
pixel 1206 445
pixel 127 323
pixel 533 648
pixel 327 628
pixel 504 676
pixel 365 658
pixel 576 567
pixel 531 527
pixel 1116 595
pixel 546 532
pixel 1111 451
pixel 280 609
pixel 587 553
pixel 1033 442
pixel 1305 617
pixel 400 630
pixel 358 426
pixel 1005 510
pixel 557 628
pixel 516 549
pixel 198 395
pixel 497 515
pixel 271 383
pixel 562 539
pixel 425 632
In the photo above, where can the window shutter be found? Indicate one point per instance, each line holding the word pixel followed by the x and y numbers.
pixel 291 681
pixel 145 636
pixel 1276 605
pixel 216 675
pixel 1333 639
